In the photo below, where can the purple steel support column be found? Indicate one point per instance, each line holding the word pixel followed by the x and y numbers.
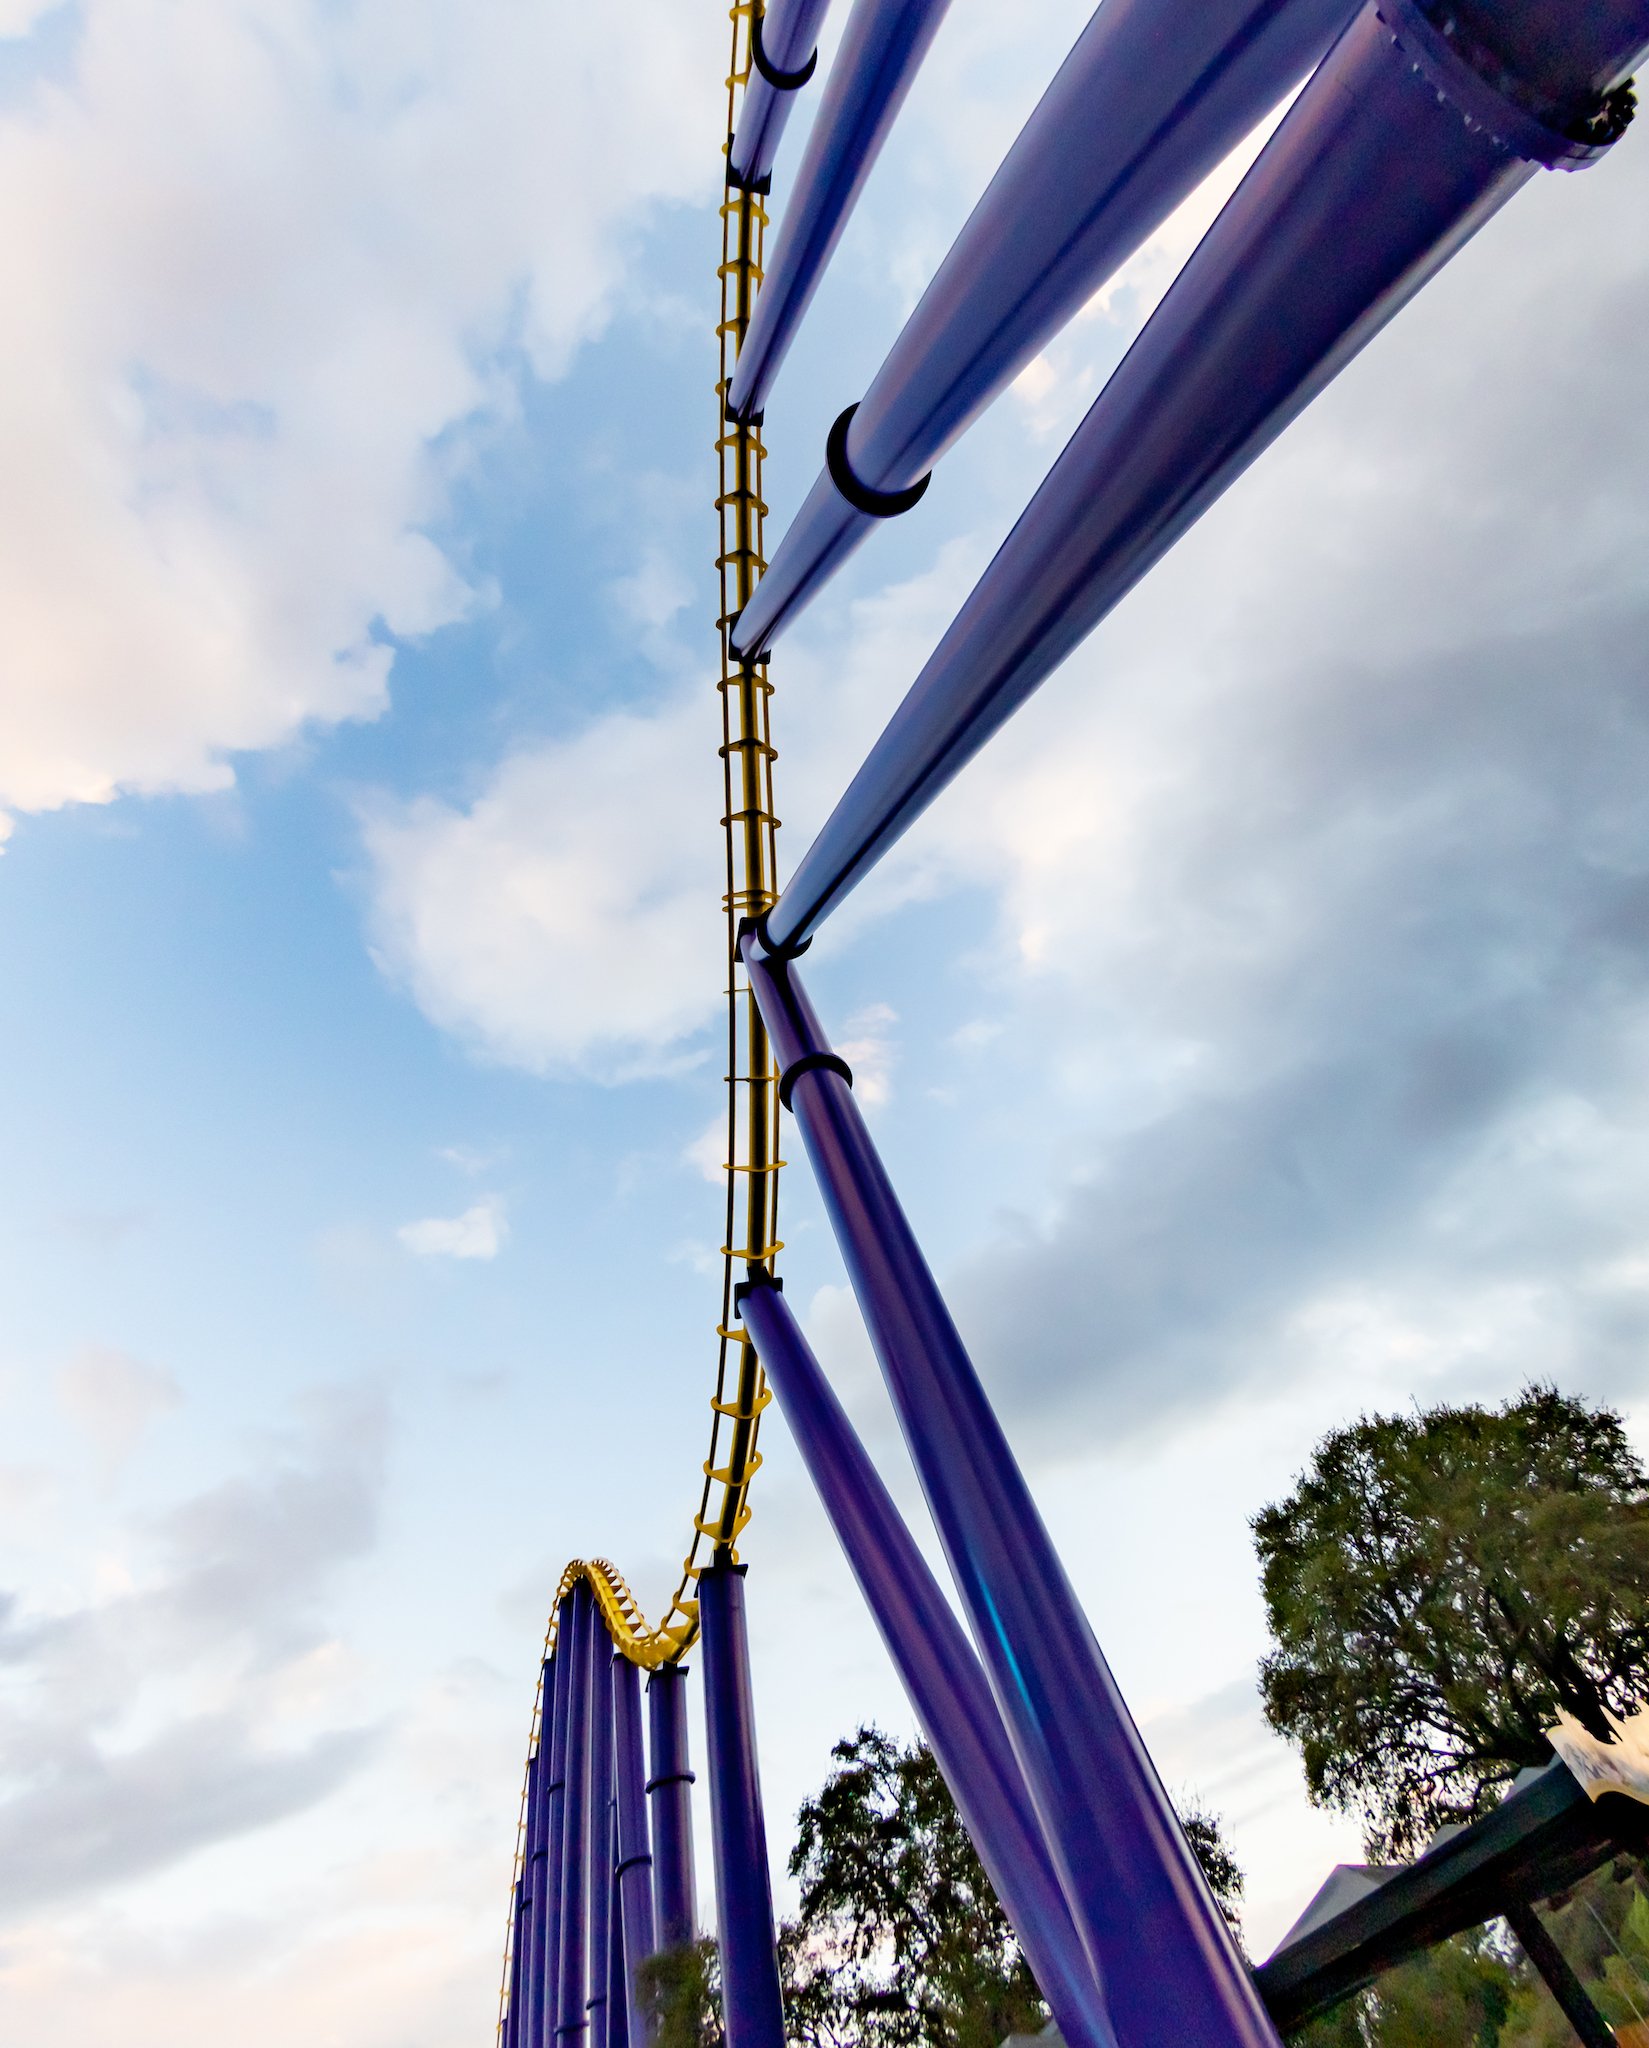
pixel 532 1878
pixel 675 1910
pixel 752 2007
pixel 543 2008
pixel 571 2019
pixel 599 1830
pixel 1150 99
pixel 938 1667
pixel 512 2011
pixel 541 1940
pixel 783 38
pixel 1394 154
pixel 634 1868
pixel 881 52
pixel 618 1981
pixel 1171 1972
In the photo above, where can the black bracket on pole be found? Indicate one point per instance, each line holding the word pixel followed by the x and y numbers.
pixel 865 497
pixel 781 81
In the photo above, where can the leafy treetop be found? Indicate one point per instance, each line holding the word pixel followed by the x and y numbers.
pixel 1438 1585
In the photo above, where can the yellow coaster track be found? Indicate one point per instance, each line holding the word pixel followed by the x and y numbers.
pixel 748 826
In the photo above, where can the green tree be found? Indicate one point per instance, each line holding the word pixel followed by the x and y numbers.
pixel 1456 1995
pixel 900 1941
pixel 1438 1585
pixel 1602 1926
pixel 1225 1879
pixel 681 1989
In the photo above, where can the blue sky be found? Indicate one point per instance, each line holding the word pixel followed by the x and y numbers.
pixel 1258 1034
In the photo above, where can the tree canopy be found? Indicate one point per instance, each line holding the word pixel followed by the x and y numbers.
pixel 900 1941
pixel 1438 1585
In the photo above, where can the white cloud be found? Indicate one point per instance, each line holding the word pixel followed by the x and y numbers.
pixel 114 1397
pixel 258 257
pixel 867 1046
pixel 478 1234
pixel 570 917
pixel 708 1151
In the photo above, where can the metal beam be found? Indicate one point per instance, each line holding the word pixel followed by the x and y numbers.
pixel 675 1910
pixel 571 2019
pixel 634 1870
pixel 1154 1935
pixel 1537 1841
pixel 1394 154
pixel 937 1666
pixel 1152 96
pixel 880 54
pixel 752 2008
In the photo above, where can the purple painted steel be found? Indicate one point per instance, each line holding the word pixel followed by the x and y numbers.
pixel 635 1858
pixel 790 34
pixel 1153 1933
pixel 752 2007
pixel 1389 160
pixel 881 52
pixel 571 2020
pixel 618 1984
pixel 599 1828
pixel 938 1667
pixel 1150 99
pixel 531 1871
pixel 675 1910
pixel 543 2014
pixel 538 1857
pixel 512 2011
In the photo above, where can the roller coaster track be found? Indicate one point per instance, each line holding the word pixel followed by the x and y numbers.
pixel 1410 131
pixel 749 826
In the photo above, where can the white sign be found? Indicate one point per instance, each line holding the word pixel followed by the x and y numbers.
pixel 1618 1766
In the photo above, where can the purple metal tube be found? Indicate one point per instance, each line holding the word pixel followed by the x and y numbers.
pixel 675 1910
pixel 542 2013
pixel 789 34
pixel 532 1876
pixel 599 1832
pixel 1393 155
pixel 752 2007
pixel 1152 96
pixel 618 1983
pixel 881 51
pixel 1154 1935
pixel 537 1853
pixel 634 1871
pixel 511 2033
pixel 938 1667
pixel 570 2016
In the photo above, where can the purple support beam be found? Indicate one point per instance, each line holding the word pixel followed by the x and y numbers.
pixel 618 1980
pixel 571 2020
pixel 881 52
pixel 752 2008
pixel 784 38
pixel 511 2032
pixel 675 1910
pixel 1153 95
pixel 1394 154
pixel 542 2012
pixel 599 1828
pixel 635 1855
pixel 542 1886
pixel 532 1883
pixel 938 1667
pixel 1153 1933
